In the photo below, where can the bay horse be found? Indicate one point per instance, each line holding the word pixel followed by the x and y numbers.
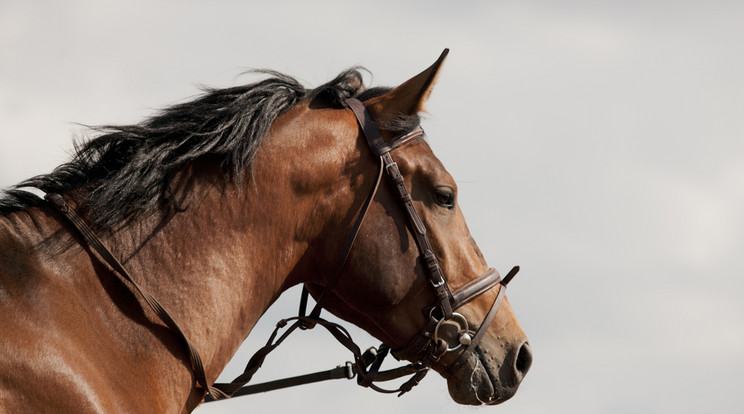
pixel 218 205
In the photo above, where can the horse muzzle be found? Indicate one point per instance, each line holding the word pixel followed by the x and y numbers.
pixel 489 377
pixel 478 374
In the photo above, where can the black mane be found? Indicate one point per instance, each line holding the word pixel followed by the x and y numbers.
pixel 125 169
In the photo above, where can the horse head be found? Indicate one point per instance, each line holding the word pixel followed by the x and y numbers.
pixel 385 287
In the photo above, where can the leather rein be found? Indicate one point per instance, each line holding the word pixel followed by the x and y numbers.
pixel 445 330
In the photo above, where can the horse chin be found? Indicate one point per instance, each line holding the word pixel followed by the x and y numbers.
pixel 477 381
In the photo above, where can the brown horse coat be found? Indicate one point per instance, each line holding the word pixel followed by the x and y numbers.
pixel 217 252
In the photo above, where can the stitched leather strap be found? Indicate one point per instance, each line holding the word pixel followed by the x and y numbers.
pixel 378 147
pixel 475 288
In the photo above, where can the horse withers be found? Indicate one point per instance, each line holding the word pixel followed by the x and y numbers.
pixel 218 205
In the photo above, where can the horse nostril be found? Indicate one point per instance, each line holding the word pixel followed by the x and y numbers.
pixel 524 360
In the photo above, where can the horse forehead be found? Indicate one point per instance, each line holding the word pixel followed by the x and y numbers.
pixel 419 158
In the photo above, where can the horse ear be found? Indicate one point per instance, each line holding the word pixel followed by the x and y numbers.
pixel 408 98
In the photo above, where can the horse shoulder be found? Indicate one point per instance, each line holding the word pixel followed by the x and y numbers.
pixel 44 367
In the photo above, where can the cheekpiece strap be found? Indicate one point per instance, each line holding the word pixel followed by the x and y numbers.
pixel 382 150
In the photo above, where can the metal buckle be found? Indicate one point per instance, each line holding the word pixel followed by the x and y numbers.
pixel 350 374
pixel 392 165
pixel 437 284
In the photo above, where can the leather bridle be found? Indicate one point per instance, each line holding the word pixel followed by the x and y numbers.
pixel 424 349
pixel 428 346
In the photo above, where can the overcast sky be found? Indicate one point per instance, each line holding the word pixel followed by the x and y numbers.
pixel 599 145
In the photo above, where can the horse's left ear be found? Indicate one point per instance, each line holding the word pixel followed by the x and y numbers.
pixel 408 98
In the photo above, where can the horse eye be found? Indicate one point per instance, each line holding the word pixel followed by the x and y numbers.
pixel 445 197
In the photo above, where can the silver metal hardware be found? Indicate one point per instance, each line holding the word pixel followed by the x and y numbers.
pixel 462 334
pixel 350 370
pixel 437 284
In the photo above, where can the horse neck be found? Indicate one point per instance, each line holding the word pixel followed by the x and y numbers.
pixel 206 267
pixel 222 262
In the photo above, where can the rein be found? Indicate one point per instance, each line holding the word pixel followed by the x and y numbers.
pixel 425 349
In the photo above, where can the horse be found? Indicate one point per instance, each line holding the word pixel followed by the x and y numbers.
pixel 217 205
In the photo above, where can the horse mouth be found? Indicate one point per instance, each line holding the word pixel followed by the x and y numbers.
pixel 480 379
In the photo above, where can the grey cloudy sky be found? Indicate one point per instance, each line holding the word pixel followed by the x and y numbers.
pixel 600 145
